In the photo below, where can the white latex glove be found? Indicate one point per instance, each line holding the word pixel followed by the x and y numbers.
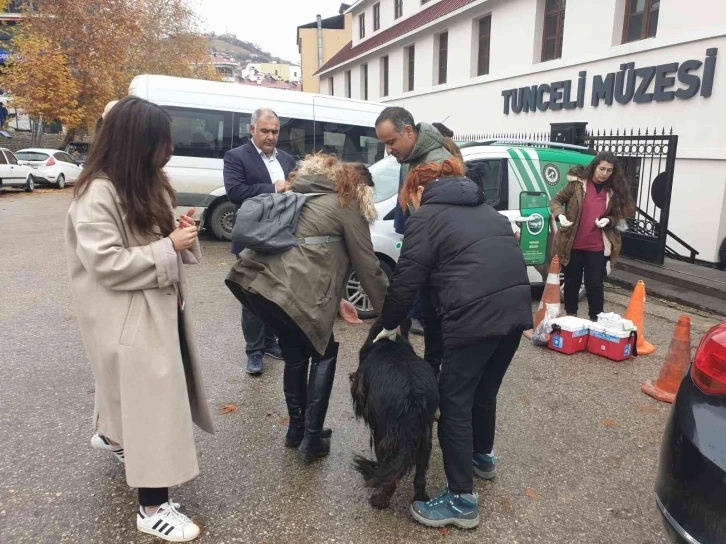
pixel 387 335
pixel 563 220
pixel 602 223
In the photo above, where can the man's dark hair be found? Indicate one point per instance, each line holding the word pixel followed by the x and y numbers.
pixel 445 131
pixel 399 118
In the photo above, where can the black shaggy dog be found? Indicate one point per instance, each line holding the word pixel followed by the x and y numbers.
pixel 396 394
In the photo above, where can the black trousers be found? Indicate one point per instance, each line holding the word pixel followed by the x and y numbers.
pixel 257 335
pixel 593 264
pixel 153 496
pixel 433 338
pixel 468 387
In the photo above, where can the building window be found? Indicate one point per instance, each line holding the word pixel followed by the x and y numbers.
pixel 364 81
pixel 424 2
pixel 397 8
pixel 384 76
pixel 331 87
pixel 554 23
pixel 348 85
pixel 410 66
pixel 362 25
pixel 641 20
pixel 485 35
pixel 443 56
pixel 377 17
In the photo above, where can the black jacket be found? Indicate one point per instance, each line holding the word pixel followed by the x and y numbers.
pixel 466 251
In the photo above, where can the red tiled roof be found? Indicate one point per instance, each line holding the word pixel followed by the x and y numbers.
pixel 424 17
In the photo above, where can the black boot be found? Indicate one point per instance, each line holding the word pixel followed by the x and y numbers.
pixel 295 383
pixel 320 384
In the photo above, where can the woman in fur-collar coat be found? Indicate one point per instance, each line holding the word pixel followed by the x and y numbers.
pixel 297 292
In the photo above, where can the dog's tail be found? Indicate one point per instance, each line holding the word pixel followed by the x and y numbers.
pixel 395 464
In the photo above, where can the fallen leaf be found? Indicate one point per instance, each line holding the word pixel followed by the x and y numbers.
pixel 444 531
pixel 647 409
pixel 222 264
pixel 229 408
pixel 285 422
pixel 506 504
pixel 610 422
pixel 232 381
pixel 526 400
pixel 532 494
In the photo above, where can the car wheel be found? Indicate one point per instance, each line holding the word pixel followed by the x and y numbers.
pixel 355 294
pixel 222 220
pixel 61 181
pixel 30 184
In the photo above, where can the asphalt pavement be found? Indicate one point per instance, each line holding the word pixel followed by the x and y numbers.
pixel 577 441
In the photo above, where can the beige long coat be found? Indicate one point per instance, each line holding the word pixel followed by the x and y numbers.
pixel 127 297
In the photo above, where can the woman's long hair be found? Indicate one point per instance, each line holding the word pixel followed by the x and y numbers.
pixel 621 203
pixel 131 149
pixel 424 174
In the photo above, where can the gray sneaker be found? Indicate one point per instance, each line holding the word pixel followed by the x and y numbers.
pixel 484 466
pixel 254 364
pixel 448 509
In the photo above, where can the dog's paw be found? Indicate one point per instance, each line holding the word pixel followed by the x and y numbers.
pixel 379 501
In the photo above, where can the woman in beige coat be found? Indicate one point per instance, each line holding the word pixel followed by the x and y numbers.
pixel 125 255
pixel 297 292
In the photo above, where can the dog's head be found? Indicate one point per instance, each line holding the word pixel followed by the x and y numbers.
pixel 376 329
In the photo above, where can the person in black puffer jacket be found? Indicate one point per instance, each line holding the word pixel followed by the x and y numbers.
pixel 467 254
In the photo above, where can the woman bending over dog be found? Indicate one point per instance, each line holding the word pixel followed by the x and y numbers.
pixel 297 292
pixel 466 252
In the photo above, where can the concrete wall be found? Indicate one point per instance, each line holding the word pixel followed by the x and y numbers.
pixel 23 140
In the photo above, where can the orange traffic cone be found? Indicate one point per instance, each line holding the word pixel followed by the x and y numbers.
pixel 635 313
pixel 550 295
pixel 675 365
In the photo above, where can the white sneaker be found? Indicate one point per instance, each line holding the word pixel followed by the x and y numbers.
pixel 168 523
pixel 100 442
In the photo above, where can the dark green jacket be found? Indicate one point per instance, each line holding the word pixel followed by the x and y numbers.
pixel 429 148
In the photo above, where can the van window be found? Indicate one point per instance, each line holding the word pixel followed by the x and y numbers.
pixel 487 173
pixel 386 174
pixel 11 157
pixel 350 143
pixel 297 136
pixel 200 133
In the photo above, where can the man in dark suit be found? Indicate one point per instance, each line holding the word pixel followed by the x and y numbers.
pixel 249 170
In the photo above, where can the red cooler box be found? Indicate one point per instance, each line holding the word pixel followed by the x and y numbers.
pixel 616 345
pixel 569 335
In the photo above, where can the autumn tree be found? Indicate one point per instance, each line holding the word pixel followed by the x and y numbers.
pixel 104 44
pixel 56 98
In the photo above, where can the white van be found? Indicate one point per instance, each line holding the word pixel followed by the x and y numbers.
pixel 210 118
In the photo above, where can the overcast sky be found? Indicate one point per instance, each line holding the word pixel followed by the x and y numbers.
pixel 271 24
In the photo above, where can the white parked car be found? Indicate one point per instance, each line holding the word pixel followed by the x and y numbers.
pixel 50 165
pixel 13 174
